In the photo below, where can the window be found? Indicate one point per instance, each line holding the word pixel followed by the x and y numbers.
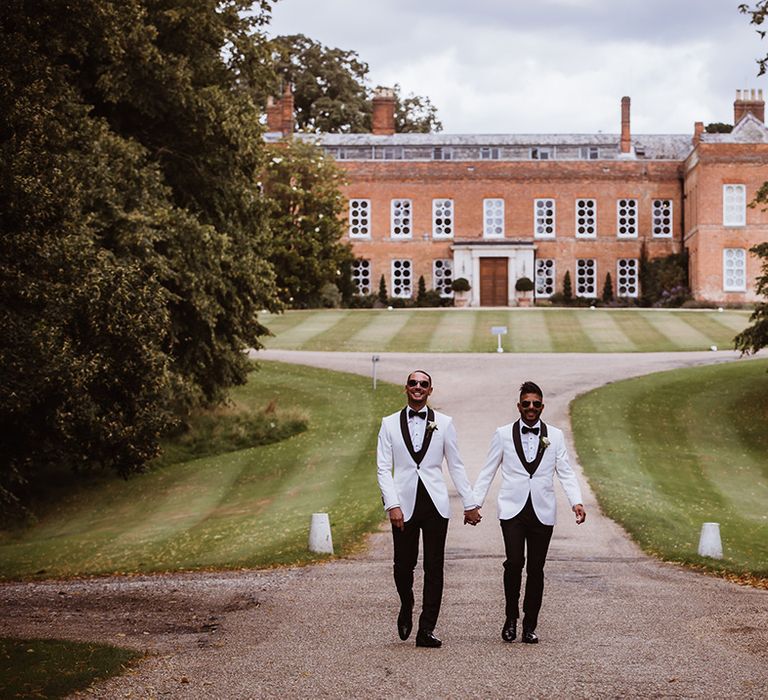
pixel 442 153
pixel 442 277
pixel 493 218
pixel 388 152
pixel 586 278
pixel 545 277
pixel 361 276
pixel 489 153
pixel 402 278
pixel 734 205
pixel 627 277
pixel 544 218
pixel 442 218
pixel 540 153
pixel 626 218
pixel 734 270
pixel 586 218
pixel 360 218
pixel 401 218
pixel 662 218
pixel 590 152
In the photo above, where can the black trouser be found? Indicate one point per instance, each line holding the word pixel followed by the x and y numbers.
pixel 434 528
pixel 525 530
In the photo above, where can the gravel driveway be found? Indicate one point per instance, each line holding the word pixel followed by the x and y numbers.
pixel 615 623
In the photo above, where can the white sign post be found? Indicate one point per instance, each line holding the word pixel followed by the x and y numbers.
pixel 374 360
pixel 498 331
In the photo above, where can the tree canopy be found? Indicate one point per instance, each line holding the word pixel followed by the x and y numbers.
pixel 755 336
pixel 757 14
pixel 331 91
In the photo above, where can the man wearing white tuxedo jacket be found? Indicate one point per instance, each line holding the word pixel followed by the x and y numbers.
pixel 411 448
pixel 530 453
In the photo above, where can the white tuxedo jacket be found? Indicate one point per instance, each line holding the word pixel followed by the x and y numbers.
pixel 399 467
pixel 517 482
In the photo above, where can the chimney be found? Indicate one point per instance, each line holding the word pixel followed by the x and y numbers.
pixel 286 103
pixel 626 141
pixel 384 111
pixel 698 130
pixel 274 114
pixel 748 101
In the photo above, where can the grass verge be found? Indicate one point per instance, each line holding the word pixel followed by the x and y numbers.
pixel 243 508
pixel 667 452
pixel 44 668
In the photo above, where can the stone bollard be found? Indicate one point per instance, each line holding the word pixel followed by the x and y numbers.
pixel 710 544
pixel 320 534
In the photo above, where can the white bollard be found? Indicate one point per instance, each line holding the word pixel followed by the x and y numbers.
pixel 320 534
pixel 710 544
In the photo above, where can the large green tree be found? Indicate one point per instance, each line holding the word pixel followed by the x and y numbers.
pixel 755 336
pixel 331 91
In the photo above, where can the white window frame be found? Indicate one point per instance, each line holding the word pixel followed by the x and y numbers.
pixel 540 294
pixel 589 153
pixel 393 204
pixel 442 153
pixel 446 263
pixel 367 233
pixel 435 205
pixel 576 217
pixel 735 287
pixel 542 153
pixel 355 280
pixel 576 280
pixel 536 233
pixel 637 279
pixel 489 153
pixel 487 230
pixel 734 204
pixel 671 218
pixel 619 234
pixel 392 268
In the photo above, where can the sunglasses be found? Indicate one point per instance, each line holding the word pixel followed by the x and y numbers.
pixel 528 404
pixel 423 383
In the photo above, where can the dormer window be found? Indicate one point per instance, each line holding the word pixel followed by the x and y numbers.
pixel 590 152
pixel 442 153
pixel 541 153
pixel 489 153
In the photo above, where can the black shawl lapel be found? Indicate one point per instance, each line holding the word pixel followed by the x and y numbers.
pixel 417 456
pixel 530 467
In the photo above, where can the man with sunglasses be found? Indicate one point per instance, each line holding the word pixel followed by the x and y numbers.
pixel 530 453
pixel 412 446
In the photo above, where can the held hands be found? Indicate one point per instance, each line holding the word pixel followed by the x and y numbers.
pixel 472 517
pixel 581 514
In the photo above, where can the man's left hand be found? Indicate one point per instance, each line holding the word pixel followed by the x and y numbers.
pixel 472 517
pixel 581 514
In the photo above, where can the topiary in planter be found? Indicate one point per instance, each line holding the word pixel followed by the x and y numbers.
pixel 460 284
pixel 524 284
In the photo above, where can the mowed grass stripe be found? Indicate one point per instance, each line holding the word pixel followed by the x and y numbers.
pixel 416 334
pixel 733 320
pixel 280 324
pixel 311 324
pixel 641 333
pixel 484 341
pixel 682 335
pixel 567 332
pixel 384 326
pixel 454 332
pixel 604 332
pixel 337 336
pixel 528 332
pixel 709 325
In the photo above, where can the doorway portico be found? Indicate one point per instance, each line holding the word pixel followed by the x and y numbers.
pixel 492 268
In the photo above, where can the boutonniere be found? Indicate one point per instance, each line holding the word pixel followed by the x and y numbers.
pixel 432 425
pixel 545 442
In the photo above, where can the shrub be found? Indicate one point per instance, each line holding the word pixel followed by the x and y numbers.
pixel 461 284
pixel 608 288
pixel 524 284
pixel 567 288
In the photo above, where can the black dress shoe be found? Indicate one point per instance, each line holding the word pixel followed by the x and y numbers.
pixel 427 639
pixel 405 621
pixel 509 631
pixel 530 637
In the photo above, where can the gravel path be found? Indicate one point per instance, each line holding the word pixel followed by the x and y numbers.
pixel 615 623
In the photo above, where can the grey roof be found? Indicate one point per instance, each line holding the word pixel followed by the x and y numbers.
pixel 749 130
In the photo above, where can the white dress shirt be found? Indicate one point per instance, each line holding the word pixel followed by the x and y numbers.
pixel 530 441
pixel 417 427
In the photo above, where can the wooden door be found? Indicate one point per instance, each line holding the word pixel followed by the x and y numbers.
pixel 494 278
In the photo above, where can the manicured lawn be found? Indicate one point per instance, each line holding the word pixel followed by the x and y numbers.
pixel 249 507
pixel 667 452
pixel 530 330
pixel 39 668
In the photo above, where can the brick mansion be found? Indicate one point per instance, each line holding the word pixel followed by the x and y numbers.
pixel 493 208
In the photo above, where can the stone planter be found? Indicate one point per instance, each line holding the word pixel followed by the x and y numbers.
pixel 461 299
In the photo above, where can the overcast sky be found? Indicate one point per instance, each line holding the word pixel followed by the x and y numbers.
pixel 547 66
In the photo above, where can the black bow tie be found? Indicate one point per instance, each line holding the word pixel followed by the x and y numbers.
pixel 526 429
pixel 417 414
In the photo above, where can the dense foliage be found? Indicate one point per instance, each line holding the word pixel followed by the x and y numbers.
pixel 331 91
pixel 755 336
pixel 757 15
pixel 664 280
